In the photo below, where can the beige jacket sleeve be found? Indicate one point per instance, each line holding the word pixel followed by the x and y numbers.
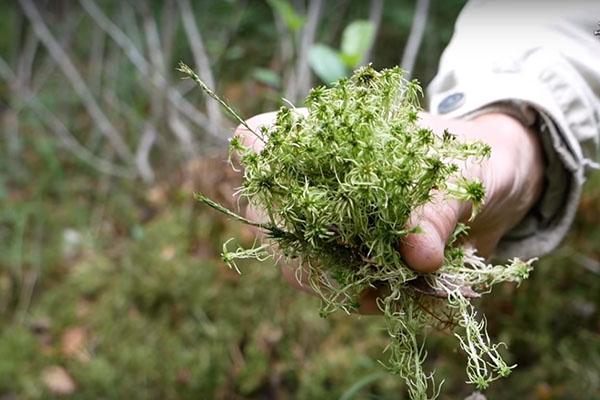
pixel 539 61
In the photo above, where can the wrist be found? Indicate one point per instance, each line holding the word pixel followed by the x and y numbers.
pixel 516 164
pixel 515 143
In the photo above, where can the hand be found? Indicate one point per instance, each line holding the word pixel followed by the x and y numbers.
pixel 512 177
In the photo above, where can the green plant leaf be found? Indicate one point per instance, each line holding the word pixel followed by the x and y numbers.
pixel 326 63
pixel 360 384
pixel 267 76
pixel 356 41
pixel 292 19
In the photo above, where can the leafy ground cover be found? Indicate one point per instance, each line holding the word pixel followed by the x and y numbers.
pixel 138 305
pixel 111 289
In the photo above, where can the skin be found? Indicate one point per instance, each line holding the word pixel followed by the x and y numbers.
pixel 512 177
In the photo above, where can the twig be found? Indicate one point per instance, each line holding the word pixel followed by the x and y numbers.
pixel 75 79
pixel 375 14
pixel 200 57
pixel 142 65
pixel 588 263
pixel 30 278
pixel 175 122
pixel 203 199
pixel 97 59
pixel 230 31
pixel 48 66
pixel 157 61
pixel 169 27
pixel 26 58
pixel 111 71
pixel 182 132
pixel 142 155
pixel 307 38
pixel 191 74
pixel 158 65
pixel 117 35
pixel 476 396
pixel 61 131
pixel 286 54
pixel 411 50
pixel 129 22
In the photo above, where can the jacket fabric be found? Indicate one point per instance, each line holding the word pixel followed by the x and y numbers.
pixel 540 62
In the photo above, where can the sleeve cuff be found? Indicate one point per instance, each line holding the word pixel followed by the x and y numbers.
pixel 554 117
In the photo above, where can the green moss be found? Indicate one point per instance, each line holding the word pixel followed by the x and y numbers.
pixel 338 185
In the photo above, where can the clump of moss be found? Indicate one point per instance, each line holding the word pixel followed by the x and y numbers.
pixel 337 186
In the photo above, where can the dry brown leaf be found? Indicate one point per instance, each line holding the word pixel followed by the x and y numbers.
pixel 58 381
pixel 73 341
pixel 168 253
pixel 157 195
pixel 83 308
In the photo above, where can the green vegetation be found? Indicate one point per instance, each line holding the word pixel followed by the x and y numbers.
pixel 119 283
pixel 337 187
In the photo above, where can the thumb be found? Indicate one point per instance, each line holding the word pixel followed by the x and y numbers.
pixel 424 251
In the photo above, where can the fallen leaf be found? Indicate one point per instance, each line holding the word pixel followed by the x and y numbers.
pixel 168 253
pixel 184 376
pixel 73 341
pixel 40 325
pixel 58 381
pixel 157 196
pixel 83 308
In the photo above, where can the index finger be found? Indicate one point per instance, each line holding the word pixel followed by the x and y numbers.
pixel 255 123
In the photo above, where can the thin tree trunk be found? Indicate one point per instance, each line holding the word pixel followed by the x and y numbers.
pixel 411 50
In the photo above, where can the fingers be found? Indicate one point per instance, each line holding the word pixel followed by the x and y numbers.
pixel 424 251
pixel 255 123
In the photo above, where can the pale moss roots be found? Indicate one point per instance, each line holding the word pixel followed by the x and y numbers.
pixel 337 187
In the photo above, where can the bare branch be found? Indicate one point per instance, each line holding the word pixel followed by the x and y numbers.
pixel 231 29
pixel 142 65
pixel 26 58
pixel 31 276
pixel 375 14
pixel 169 27
pixel 75 79
pixel 129 22
pixel 200 57
pixel 157 61
pixel 64 36
pixel 415 37
pixel 158 68
pixel 175 123
pixel 98 46
pixel 286 55
pixel 337 24
pixel 142 155
pixel 182 132
pixel 59 129
pixel 307 38
pixel 122 40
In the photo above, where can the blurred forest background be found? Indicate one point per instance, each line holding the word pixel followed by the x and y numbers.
pixel 110 280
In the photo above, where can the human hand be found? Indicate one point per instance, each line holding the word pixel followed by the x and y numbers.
pixel 512 177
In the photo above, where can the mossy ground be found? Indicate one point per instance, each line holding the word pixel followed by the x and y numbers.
pixel 337 185
pixel 163 318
